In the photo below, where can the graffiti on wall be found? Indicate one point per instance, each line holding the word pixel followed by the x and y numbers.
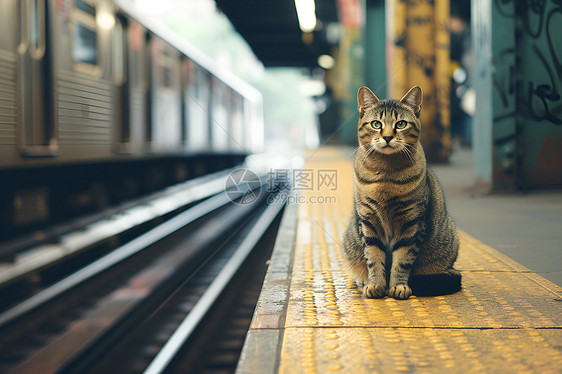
pixel 538 46
pixel 528 87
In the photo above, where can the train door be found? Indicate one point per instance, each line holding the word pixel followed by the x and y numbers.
pixel 196 101
pixel 120 80
pixel 8 93
pixel 138 84
pixel 237 122
pixel 187 77
pixel 36 96
pixel 220 127
pixel 147 102
pixel 165 94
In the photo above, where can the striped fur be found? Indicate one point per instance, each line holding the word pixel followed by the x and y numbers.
pixel 400 236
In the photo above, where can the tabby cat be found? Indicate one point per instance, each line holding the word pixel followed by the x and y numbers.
pixel 400 239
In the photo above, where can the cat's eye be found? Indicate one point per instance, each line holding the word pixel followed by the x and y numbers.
pixel 377 125
pixel 400 125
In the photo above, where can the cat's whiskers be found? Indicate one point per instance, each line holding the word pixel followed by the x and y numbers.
pixel 353 152
pixel 371 149
pixel 368 148
pixel 411 149
pixel 407 152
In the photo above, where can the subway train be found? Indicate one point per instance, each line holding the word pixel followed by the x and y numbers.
pixel 85 83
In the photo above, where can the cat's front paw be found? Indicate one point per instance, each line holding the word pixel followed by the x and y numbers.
pixel 374 291
pixel 400 292
pixel 359 282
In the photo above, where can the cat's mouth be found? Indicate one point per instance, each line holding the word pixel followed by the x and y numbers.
pixel 386 148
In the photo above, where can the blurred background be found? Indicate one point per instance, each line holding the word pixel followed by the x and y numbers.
pixel 202 23
pixel 491 81
pixel 103 101
pixel 150 93
pixel 144 145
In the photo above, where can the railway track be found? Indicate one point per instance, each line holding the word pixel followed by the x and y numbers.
pixel 43 257
pixel 134 309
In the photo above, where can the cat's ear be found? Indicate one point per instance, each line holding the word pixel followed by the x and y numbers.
pixel 366 98
pixel 413 99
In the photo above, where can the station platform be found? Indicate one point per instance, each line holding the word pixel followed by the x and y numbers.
pixel 311 318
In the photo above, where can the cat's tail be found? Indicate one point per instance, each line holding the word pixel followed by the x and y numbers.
pixel 435 284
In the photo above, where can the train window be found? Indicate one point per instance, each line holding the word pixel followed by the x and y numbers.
pixel 187 74
pixel 84 46
pixel 197 95
pixel 118 51
pixel 167 64
pixel 237 121
pixel 136 44
pixel 166 77
pixel 37 28
pixel 34 25
pixel 220 126
pixel 84 40
pixel 85 7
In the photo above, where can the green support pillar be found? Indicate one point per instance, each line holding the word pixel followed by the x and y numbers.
pixel 362 59
pixel 517 77
pixel 492 33
pixel 374 41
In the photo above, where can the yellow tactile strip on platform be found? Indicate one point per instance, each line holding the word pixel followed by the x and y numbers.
pixel 506 296
pixel 506 318
pixel 389 350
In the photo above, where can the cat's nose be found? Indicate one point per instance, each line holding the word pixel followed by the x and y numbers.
pixel 387 138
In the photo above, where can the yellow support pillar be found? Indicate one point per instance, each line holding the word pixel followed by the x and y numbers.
pixel 418 43
pixel 396 51
pixel 443 77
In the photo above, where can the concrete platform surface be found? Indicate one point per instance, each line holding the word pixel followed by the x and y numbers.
pixel 312 319
pixel 525 226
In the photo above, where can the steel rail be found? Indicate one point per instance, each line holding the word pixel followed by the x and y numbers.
pixel 201 308
pixel 185 193
pixel 129 249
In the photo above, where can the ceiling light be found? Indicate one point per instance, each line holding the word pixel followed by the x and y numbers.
pixel 105 20
pixel 326 62
pixel 306 12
